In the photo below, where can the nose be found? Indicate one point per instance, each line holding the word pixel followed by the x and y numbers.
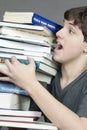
pixel 60 33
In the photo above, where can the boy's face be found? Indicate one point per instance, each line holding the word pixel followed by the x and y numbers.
pixel 70 43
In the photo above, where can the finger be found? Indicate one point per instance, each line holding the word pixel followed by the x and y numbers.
pixel 8 64
pixel 31 61
pixel 5 79
pixel 14 60
pixel 3 68
pixel 4 71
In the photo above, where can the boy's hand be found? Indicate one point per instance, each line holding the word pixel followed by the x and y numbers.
pixel 19 73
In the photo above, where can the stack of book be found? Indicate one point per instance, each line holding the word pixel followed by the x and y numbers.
pixel 24 119
pixel 25 34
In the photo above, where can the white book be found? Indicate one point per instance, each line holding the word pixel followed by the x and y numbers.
pixel 14 101
pixel 38 29
pixel 43 77
pixel 36 125
pixel 27 40
pixel 24 46
pixel 20 113
pixel 19 17
pixel 25 52
pixel 31 17
pixel 25 34
pixel 17 118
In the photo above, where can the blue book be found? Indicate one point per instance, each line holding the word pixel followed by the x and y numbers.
pixel 7 87
pixel 40 20
pixel 31 18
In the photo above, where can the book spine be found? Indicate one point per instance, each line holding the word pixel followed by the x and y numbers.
pixel 39 20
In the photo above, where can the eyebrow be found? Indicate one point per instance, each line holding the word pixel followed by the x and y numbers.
pixel 72 24
pixel 69 23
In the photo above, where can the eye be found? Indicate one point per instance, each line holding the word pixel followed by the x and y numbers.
pixel 71 31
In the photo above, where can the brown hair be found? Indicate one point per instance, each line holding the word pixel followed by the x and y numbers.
pixel 79 16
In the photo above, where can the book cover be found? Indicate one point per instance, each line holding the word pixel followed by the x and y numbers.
pixel 33 18
pixel 37 29
pixel 14 101
pixel 24 46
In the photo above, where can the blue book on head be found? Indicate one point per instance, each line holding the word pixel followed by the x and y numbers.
pixel 40 20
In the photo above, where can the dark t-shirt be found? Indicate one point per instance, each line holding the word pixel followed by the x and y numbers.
pixel 74 95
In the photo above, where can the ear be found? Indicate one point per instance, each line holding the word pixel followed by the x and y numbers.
pixel 85 47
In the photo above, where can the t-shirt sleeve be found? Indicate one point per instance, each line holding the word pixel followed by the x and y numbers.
pixel 82 107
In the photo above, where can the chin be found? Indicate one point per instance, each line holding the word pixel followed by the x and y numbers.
pixel 55 58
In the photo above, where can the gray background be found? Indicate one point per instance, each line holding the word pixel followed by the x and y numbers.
pixel 52 9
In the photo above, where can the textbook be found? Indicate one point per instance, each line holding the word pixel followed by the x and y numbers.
pixel 20 113
pixel 37 29
pixel 24 46
pixel 42 77
pixel 25 34
pixel 35 125
pixel 26 40
pixel 16 119
pixel 8 87
pixel 25 52
pixel 31 17
pixel 14 101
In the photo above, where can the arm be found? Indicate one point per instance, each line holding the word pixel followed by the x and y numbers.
pixel 24 76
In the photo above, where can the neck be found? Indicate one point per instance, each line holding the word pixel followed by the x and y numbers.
pixel 71 71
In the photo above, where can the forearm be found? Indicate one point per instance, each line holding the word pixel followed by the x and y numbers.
pixel 24 76
pixel 60 115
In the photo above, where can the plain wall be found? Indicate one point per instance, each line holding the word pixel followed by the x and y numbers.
pixel 52 9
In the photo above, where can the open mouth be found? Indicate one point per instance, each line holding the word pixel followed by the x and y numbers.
pixel 59 47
